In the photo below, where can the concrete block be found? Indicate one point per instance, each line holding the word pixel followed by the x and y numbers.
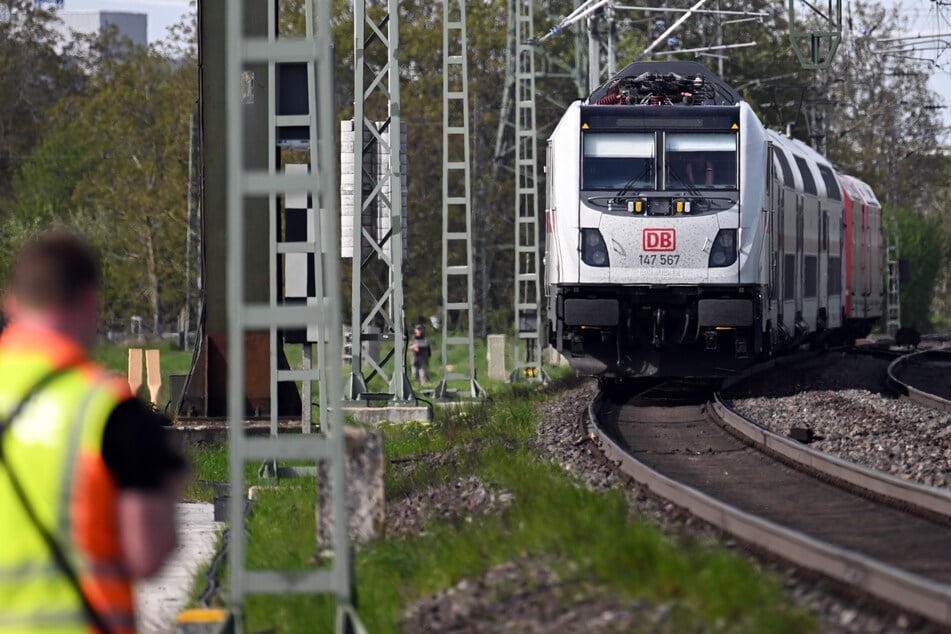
pixel 364 486
pixel 495 355
pixel 377 415
pixel 555 359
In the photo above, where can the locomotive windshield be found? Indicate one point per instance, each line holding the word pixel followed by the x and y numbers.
pixel 700 161
pixel 627 162
pixel 618 160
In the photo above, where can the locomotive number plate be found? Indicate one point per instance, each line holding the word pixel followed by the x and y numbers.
pixel 659 259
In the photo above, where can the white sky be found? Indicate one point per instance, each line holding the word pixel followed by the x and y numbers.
pixel 924 15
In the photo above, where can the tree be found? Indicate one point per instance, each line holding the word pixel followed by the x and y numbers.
pixel 895 154
pixel 36 76
pixel 136 115
pixel 43 187
pixel 923 242
pixel 118 154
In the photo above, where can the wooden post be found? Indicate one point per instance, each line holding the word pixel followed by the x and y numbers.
pixel 153 373
pixel 135 370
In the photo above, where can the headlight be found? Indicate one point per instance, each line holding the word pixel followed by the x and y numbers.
pixel 723 252
pixel 594 252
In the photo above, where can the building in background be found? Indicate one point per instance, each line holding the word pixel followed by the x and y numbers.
pixel 131 25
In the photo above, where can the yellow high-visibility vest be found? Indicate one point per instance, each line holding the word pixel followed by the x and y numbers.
pixel 54 446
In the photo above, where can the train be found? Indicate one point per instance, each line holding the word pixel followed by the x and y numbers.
pixel 686 239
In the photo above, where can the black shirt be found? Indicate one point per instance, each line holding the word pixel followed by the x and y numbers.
pixel 136 448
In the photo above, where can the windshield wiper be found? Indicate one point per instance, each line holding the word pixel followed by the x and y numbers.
pixel 629 185
pixel 689 188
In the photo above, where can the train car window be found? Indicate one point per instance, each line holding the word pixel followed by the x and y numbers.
pixel 789 276
pixel 832 185
pixel 808 182
pixel 810 272
pixel 700 161
pixel 788 179
pixel 835 276
pixel 618 160
pixel 867 193
pixel 850 189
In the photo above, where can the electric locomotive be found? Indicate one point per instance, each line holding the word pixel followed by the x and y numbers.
pixel 686 239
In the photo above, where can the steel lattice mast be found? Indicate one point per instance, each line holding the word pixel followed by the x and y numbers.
pixel 377 205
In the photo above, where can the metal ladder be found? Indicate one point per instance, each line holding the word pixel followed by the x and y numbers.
pixel 313 52
pixel 527 363
pixel 457 283
pixel 893 312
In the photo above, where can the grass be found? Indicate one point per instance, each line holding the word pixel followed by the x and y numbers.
pixel 210 465
pixel 590 538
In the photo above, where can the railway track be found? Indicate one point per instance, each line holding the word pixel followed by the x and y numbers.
pixel 924 377
pixel 881 535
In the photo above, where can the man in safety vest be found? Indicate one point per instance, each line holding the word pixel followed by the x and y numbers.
pixel 88 483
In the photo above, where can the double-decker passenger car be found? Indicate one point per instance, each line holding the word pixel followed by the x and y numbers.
pixel 685 239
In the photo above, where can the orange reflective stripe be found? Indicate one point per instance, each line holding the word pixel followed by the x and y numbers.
pixel 104 580
pixel 109 595
pixel 94 374
pixel 60 350
pixel 94 489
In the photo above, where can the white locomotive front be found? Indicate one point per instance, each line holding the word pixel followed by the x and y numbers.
pixel 662 233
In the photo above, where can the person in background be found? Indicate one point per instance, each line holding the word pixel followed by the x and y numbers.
pixel 421 353
pixel 88 482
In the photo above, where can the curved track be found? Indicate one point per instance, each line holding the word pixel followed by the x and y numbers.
pixel 892 541
pixel 924 377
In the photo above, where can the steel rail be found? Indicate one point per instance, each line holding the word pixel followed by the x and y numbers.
pixel 889 583
pixel 910 391
pixel 930 500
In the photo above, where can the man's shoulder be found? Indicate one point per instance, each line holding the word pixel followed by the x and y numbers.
pixel 107 380
pixel 134 411
pixel 135 446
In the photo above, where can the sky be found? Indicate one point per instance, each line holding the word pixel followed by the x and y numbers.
pixel 924 16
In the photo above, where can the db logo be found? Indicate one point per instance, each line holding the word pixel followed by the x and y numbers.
pixel 660 240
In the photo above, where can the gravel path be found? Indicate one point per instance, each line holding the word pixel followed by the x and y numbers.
pixel 844 403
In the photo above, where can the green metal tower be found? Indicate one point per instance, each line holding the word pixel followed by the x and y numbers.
pixel 280 56
pixel 816 47
pixel 528 322
pixel 602 52
pixel 377 311
pixel 458 318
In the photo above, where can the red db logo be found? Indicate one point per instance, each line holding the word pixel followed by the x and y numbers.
pixel 660 240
